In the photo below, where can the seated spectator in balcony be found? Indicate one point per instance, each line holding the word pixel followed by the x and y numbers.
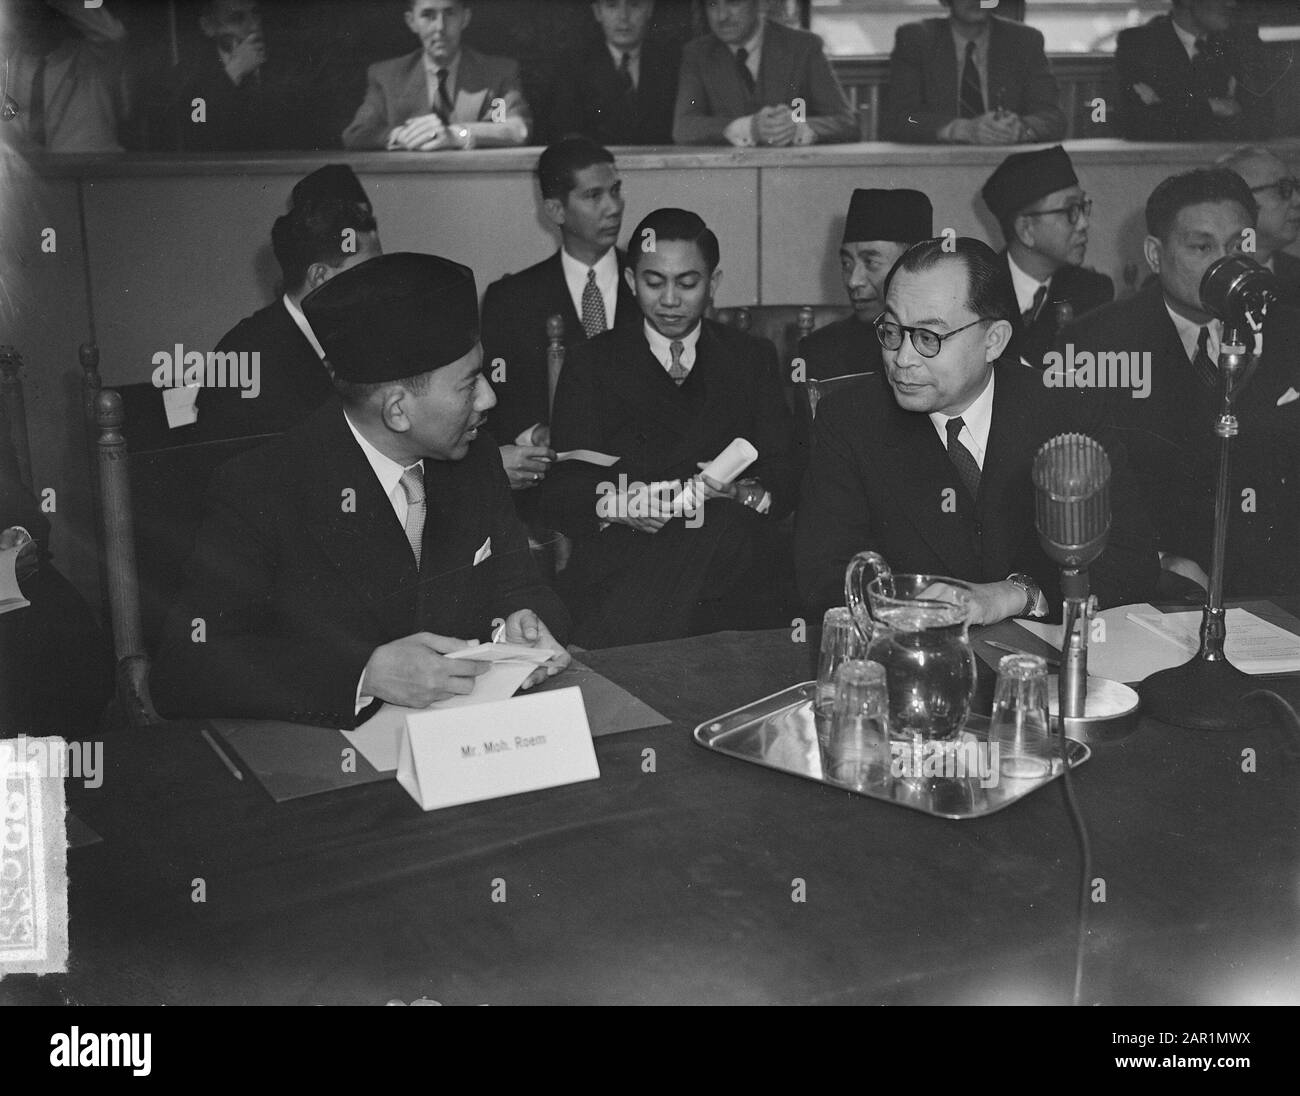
pixel 621 90
pixel 329 228
pixel 756 82
pixel 235 98
pixel 1191 76
pixel 1277 191
pixel 443 95
pixel 63 82
pixel 973 78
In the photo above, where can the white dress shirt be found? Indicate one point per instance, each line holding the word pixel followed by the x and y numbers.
pixel 633 64
pixel 431 79
pixel 661 347
pixel 296 314
pixel 978 417
pixel 1026 286
pixel 1187 38
pixel 575 277
pixel 1189 333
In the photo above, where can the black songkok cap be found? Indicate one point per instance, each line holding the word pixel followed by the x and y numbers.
pixel 1025 177
pixel 394 316
pixel 904 216
pixel 333 182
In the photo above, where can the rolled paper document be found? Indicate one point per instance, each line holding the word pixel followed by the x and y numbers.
pixel 723 468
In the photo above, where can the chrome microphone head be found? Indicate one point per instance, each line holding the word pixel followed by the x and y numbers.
pixel 1072 499
pixel 1235 286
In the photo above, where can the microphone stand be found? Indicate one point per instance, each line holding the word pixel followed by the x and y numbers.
pixel 1206 692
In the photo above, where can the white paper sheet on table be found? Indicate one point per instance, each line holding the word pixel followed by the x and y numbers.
pixel 1254 645
pixel 11 597
pixel 379 737
pixel 1130 652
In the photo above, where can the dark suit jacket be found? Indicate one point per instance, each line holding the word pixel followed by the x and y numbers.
pixel 1287 268
pixel 297 591
pixel 1152 54
pixel 1082 289
pixel 589 97
pixel 877 479
pixel 711 93
pixel 266 111
pixel 18 506
pixel 515 311
pixel 924 82
pixel 1172 449
pixel 615 397
pixel 397 91
pixel 294 381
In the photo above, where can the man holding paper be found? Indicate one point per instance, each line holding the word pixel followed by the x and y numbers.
pixel 341 564
pixel 662 550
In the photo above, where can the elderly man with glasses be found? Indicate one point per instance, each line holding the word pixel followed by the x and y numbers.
pixel 1044 215
pixel 1277 191
pixel 928 462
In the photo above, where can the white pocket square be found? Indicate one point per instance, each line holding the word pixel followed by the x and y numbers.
pixel 484 552
pixel 1289 396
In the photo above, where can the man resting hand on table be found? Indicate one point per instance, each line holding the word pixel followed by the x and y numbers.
pixel 343 563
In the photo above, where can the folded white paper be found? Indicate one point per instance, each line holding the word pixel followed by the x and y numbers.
pixel 723 468
pixel 588 455
pixel 181 405
pixel 1253 645
pixel 11 597
pixel 491 750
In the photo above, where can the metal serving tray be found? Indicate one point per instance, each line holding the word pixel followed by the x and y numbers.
pixel 779 732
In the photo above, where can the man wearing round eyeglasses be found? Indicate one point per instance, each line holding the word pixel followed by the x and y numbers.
pixel 928 463
pixel 1044 215
pixel 1277 191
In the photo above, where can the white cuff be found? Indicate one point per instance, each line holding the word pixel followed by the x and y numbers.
pixel 804 134
pixel 740 132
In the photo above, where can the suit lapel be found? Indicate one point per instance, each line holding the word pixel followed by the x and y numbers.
pixel 723 62
pixel 774 76
pixel 560 301
pixel 1000 60
pixel 413 99
pixel 471 88
pixel 919 472
pixel 943 64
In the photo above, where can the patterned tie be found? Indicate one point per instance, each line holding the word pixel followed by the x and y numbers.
pixel 413 487
pixel 625 74
pixel 972 97
pixel 1206 371
pixel 962 459
pixel 747 77
pixel 1031 313
pixel 593 307
pixel 443 105
pixel 676 370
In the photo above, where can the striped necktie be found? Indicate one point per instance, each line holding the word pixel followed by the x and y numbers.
pixel 443 106
pixel 747 77
pixel 1031 313
pixel 962 459
pixel 413 487
pixel 625 74
pixel 593 307
pixel 676 370
pixel 972 97
pixel 1206 371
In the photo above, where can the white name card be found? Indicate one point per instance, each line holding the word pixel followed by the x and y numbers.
pixel 504 747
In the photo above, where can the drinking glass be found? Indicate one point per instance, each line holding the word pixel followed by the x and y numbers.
pixel 1020 729
pixel 857 752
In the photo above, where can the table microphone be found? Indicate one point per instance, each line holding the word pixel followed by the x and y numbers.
pixel 1071 476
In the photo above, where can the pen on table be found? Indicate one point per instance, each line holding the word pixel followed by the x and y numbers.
pixel 1053 663
pixel 225 757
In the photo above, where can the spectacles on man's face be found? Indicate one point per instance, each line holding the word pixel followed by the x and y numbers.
pixel 1285 186
pixel 927 343
pixel 1075 210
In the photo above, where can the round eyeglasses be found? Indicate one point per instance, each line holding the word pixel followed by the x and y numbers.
pixel 1285 186
pixel 1073 211
pixel 928 343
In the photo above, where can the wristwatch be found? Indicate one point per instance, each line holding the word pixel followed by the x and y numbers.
pixel 463 136
pixel 1035 600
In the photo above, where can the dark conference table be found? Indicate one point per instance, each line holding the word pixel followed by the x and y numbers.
pixel 676 886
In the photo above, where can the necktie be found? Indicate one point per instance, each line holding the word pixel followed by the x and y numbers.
pixel 443 105
pixel 747 77
pixel 972 97
pixel 962 459
pixel 413 487
pixel 1031 313
pixel 36 105
pixel 1206 371
pixel 625 73
pixel 676 370
pixel 593 307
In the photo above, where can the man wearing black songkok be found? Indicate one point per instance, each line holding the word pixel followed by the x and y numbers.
pixel 1044 216
pixel 339 565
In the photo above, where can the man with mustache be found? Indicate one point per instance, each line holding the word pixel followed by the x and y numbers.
pixel 339 565
pixel 442 96
pixel 1043 213
pixel 929 461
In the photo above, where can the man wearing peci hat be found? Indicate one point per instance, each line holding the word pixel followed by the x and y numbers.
pixel 339 565
pixel 880 226
pixel 1043 213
